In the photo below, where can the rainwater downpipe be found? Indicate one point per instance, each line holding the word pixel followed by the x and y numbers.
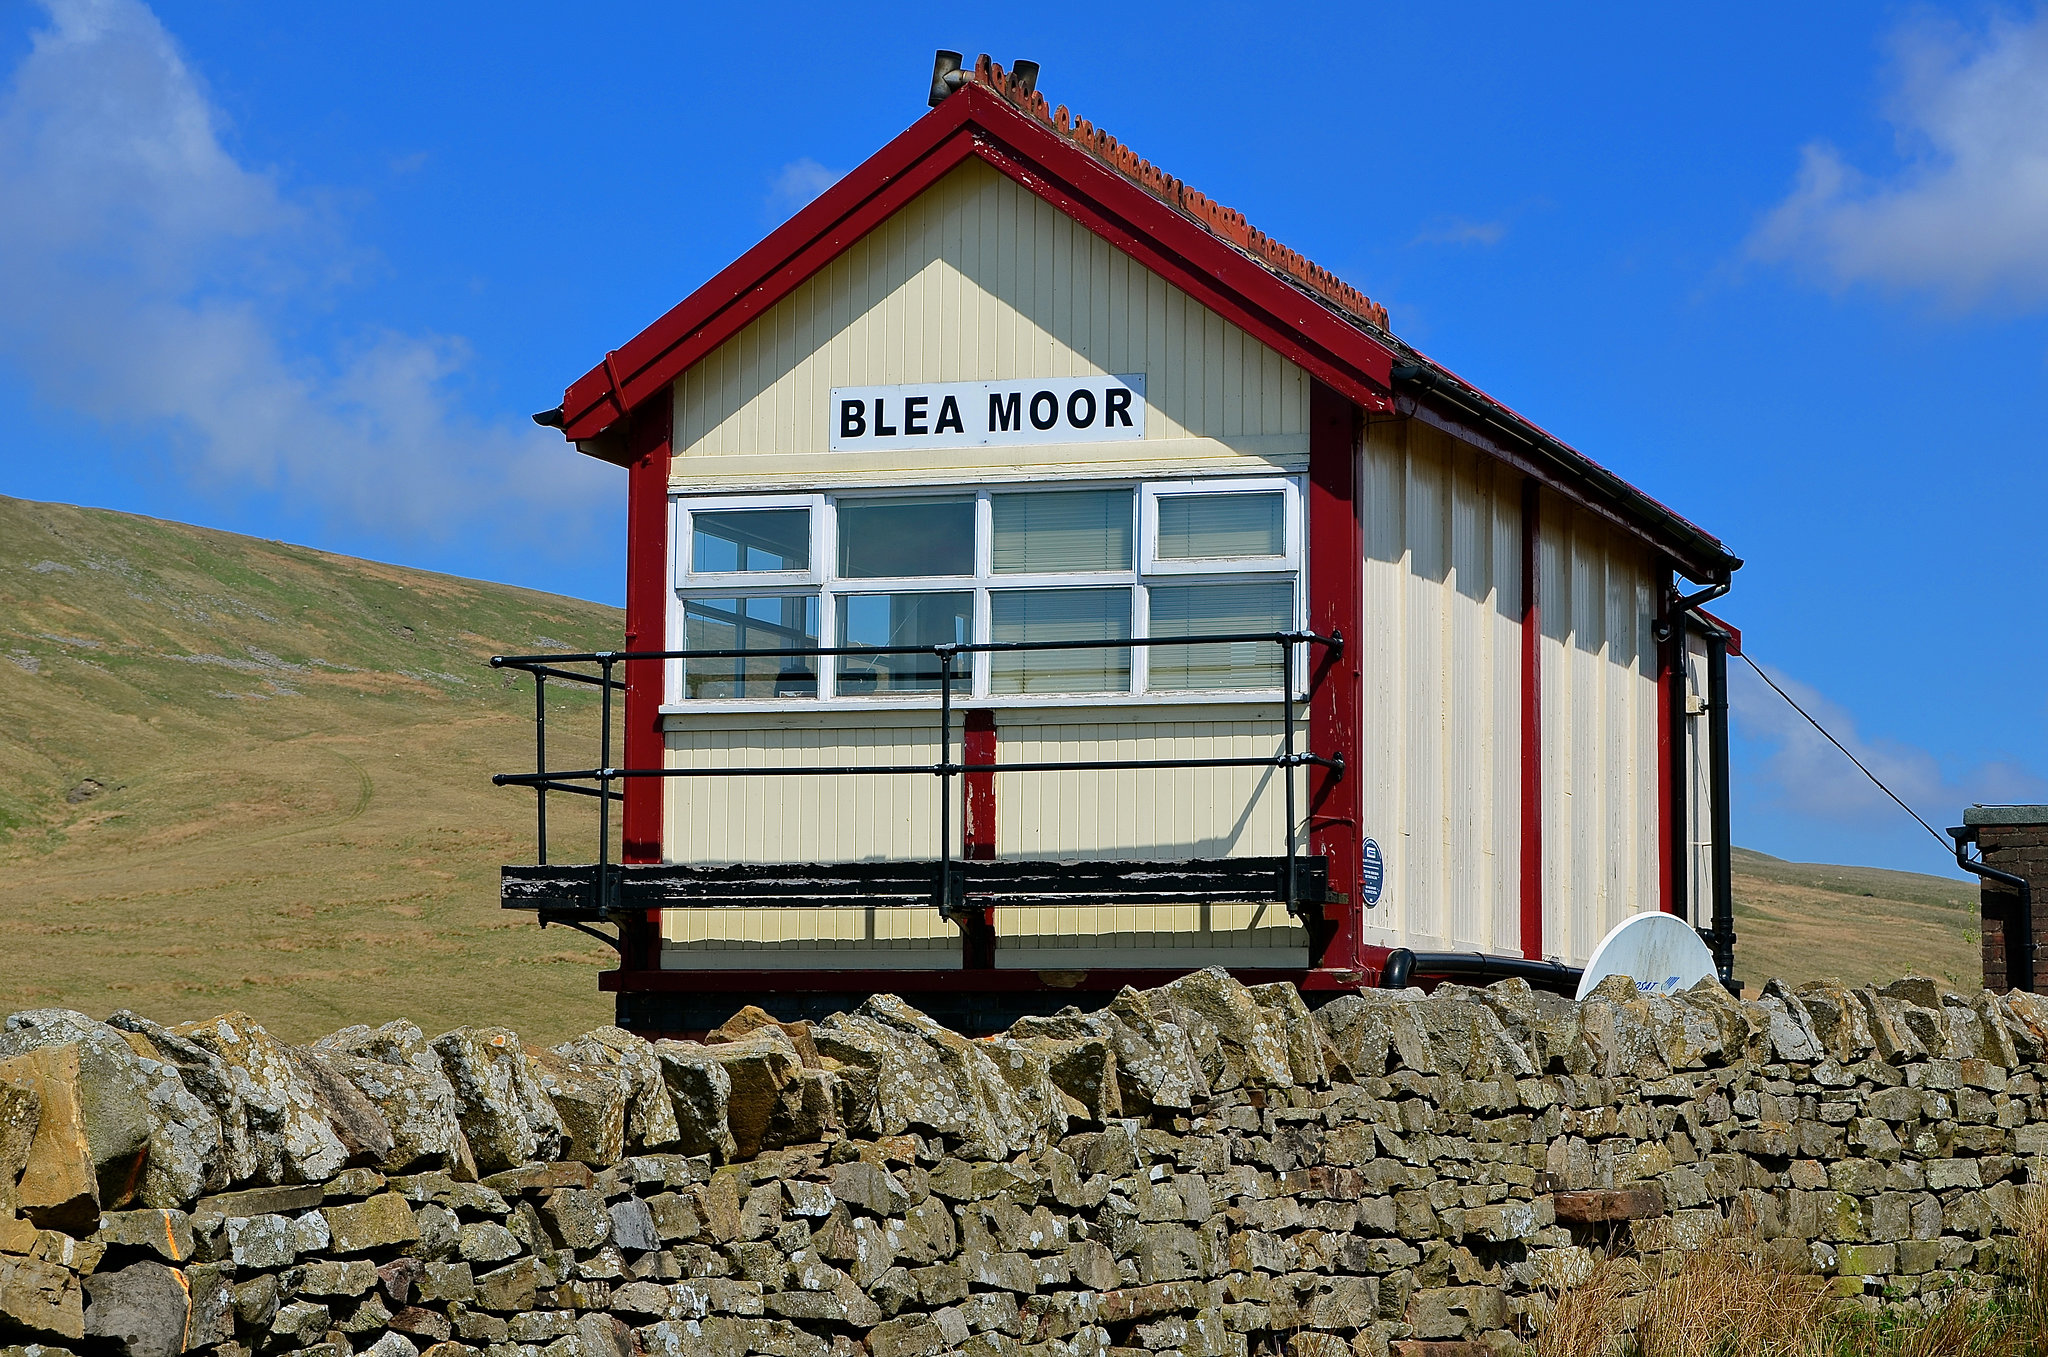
pixel 2023 922
pixel 1721 937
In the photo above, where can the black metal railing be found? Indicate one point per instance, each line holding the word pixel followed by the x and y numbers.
pixel 946 895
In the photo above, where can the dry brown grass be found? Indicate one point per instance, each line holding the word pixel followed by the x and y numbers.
pixel 1727 1299
pixel 1722 1299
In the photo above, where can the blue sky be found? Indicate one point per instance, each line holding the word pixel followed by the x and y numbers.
pixel 302 272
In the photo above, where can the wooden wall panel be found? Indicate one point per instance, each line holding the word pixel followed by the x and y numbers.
pixel 976 280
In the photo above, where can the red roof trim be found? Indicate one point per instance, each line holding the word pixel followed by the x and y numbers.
pixel 1734 632
pixel 976 121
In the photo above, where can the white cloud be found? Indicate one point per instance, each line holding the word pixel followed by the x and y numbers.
pixel 1805 775
pixel 1966 214
pixel 151 282
pixel 796 184
pixel 1459 231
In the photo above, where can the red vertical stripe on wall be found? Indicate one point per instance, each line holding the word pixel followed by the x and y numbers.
pixel 1532 720
pixel 978 745
pixel 648 448
pixel 978 830
pixel 1335 604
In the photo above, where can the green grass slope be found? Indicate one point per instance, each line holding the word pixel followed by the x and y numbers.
pixel 1804 920
pixel 235 773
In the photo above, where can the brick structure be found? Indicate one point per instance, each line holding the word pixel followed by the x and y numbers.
pixel 2012 839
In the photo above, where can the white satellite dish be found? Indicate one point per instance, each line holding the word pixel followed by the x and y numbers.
pixel 1660 952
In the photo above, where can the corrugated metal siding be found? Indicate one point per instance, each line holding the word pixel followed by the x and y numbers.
pixel 977 279
pixel 1164 814
pixel 1600 792
pixel 1441 528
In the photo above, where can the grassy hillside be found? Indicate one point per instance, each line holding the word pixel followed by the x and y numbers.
pixel 235 773
pixel 1802 920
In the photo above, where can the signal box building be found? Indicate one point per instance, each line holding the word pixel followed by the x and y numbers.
pixel 1011 404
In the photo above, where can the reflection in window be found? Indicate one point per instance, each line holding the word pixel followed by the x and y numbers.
pixel 1208 527
pixel 1219 610
pixel 882 539
pixel 1060 615
pixel 1062 530
pixel 770 623
pixel 903 620
pixel 747 540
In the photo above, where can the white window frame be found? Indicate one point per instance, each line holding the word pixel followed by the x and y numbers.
pixel 686 583
pixel 684 576
pixel 822 580
pixel 1289 488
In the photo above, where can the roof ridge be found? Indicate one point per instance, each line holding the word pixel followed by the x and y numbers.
pixel 1223 222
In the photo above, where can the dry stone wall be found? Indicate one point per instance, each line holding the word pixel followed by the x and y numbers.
pixel 1203 1169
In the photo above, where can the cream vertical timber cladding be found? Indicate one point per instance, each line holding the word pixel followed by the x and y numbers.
pixel 847 817
pixel 1441 532
pixel 858 817
pixel 1145 815
pixel 976 280
pixel 1161 815
pixel 1600 771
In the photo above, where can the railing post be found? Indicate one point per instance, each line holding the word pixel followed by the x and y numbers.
pixel 1287 645
pixel 945 771
pixel 540 761
pixel 604 795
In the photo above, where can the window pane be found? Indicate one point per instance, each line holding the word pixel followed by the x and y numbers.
pixel 1219 610
pixel 1062 530
pixel 781 623
pixel 1203 527
pixel 750 540
pixel 899 538
pixel 1060 615
pixel 903 620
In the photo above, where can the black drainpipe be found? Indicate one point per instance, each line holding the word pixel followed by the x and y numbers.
pixel 1402 965
pixel 1720 938
pixel 2023 923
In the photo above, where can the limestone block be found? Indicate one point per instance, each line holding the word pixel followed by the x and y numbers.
pixel 285 1115
pixel 143 1310
pixel 700 1094
pixel 590 1099
pixel 395 1069
pixel 919 1076
pixel 59 1186
pixel 381 1222
pixel 633 1227
pixel 1240 1042
pixel 650 1116
pixel 506 1116
pixel 167 1234
pixel 41 1300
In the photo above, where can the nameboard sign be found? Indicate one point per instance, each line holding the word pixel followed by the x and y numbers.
pixel 988 414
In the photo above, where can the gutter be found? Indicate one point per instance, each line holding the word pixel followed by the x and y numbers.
pixel 1425 376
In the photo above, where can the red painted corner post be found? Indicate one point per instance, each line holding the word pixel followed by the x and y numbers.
pixel 1336 586
pixel 1532 719
pixel 647 519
